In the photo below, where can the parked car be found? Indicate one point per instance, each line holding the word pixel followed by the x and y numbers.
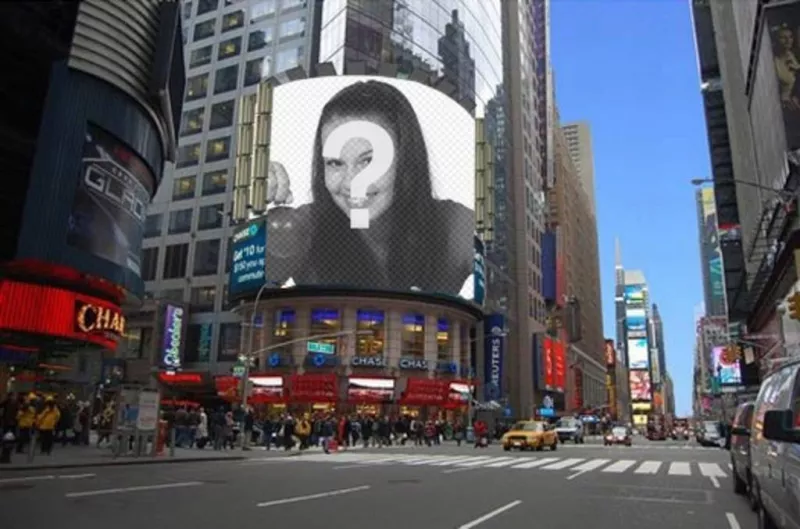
pixel 570 429
pixel 775 450
pixel 619 435
pixel 740 451
pixel 709 434
pixel 530 435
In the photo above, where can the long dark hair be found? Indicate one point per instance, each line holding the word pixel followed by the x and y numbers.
pixel 338 255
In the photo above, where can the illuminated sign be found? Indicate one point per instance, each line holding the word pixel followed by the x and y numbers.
pixel 369 361
pixel 173 337
pixel 91 318
pixel 52 311
pixel 610 355
pixel 413 363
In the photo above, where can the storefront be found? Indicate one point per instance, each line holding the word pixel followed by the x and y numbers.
pixel 371 395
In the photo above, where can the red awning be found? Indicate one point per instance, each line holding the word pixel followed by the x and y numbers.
pixel 181 379
pixel 456 398
pixel 370 390
pixel 229 388
pixel 312 388
pixel 425 392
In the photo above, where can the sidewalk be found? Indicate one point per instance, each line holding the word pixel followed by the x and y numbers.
pixel 91 456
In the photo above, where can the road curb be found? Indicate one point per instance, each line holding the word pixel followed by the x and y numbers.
pixel 123 463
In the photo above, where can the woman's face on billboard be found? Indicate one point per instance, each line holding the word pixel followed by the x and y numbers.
pixel 356 155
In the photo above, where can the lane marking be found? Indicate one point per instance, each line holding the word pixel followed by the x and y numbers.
pixel 563 464
pixel 452 461
pixel 587 467
pixel 489 515
pixel 429 460
pixel 501 464
pixel 620 466
pixel 732 521
pixel 456 470
pixel 309 497
pixel 476 461
pixel 77 476
pixel 648 467
pixel 680 468
pixel 122 490
pixel 365 464
pixel 714 481
pixel 535 463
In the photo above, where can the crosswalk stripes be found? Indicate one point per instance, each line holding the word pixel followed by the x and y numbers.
pixel 520 463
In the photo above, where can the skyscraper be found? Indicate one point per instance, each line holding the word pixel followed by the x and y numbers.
pixel 579 141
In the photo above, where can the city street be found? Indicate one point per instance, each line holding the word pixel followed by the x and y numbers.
pixel 437 488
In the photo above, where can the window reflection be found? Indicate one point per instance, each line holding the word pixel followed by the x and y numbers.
pixel 288 59
pixel 443 342
pixel 284 326
pixel 413 335
pixel 325 322
pixel 372 321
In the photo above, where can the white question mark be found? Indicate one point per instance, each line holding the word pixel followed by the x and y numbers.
pixel 382 158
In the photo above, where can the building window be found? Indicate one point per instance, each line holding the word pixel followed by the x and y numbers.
pixel 443 342
pixel 215 183
pixel 203 30
pixel 288 59
pixel 325 322
pixel 175 258
pixel 256 70
pixel 201 56
pixel 259 39
pixel 232 21
pixel 152 225
pixel 292 28
pixel 218 149
pixel 221 115
pixel 229 48
pixel 210 217
pixel 149 264
pixel 180 221
pixel 187 10
pixel 226 79
pixel 173 294
pixel 203 298
pixel 286 5
pixel 188 155
pixel 374 323
pixel 285 324
pixel 413 335
pixel 206 6
pixel 230 336
pixel 206 257
pixel 262 10
pixel 197 87
pixel 192 121
pixel 183 188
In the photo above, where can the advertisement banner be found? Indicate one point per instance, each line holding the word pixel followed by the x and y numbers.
pixel 370 390
pixel 248 259
pixel 782 24
pixel 493 353
pixel 611 355
pixel 110 203
pixel 479 272
pixel 712 255
pixel 358 163
pixel 173 337
pixel 634 294
pixel 636 323
pixel 655 367
pixel 638 354
pixel 641 389
pixel 729 372
pixel 559 366
pixel 549 364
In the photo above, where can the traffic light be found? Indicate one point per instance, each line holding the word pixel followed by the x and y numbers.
pixel 794 306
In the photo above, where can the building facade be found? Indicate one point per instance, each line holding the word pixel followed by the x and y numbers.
pixel 710 254
pixel 111 118
pixel 578 136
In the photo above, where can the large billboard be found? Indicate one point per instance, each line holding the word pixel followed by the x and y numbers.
pixel 493 354
pixel 369 187
pixel 782 25
pixel 641 389
pixel 636 323
pixel 634 295
pixel 638 354
pixel 712 255
pixel 728 371
pixel 248 258
pixel 110 203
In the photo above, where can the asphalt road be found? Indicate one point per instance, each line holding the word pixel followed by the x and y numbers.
pixel 298 492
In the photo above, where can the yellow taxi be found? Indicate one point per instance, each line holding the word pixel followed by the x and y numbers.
pixel 530 435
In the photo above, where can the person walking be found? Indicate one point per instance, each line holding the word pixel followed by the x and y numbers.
pixel 46 423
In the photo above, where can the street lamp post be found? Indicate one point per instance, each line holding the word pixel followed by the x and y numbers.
pixel 782 193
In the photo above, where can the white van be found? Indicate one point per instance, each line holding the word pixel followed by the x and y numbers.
pixel 775 450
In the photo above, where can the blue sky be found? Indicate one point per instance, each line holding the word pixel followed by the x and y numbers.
pixel 629 68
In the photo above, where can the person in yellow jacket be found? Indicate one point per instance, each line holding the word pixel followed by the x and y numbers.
pixel 303 432
pixel 46 422
pixel 26 422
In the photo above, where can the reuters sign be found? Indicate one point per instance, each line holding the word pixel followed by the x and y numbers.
pixel 91 318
